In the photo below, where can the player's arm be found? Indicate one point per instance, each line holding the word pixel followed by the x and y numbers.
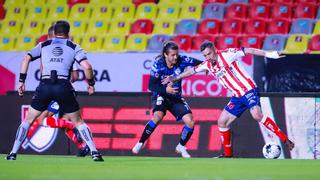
pixel 88 71
pixel 260 52
pixel 74 76
pixel 23 74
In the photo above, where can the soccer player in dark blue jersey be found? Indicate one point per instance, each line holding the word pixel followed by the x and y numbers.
pixel 168 97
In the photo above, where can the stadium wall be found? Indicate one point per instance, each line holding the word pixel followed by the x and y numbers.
pixel 117 119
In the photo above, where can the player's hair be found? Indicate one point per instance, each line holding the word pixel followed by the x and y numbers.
pixel 207 44
pixel 166 47
pixel 51 31
pixel 61 28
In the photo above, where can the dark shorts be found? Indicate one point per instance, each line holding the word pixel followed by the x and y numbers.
pixel 237 105
pixel 62 92
pixel 177 106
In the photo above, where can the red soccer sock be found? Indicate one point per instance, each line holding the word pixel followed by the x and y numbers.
pixel 70 134
pixel 33 129
pixel 58 123
pixel 225 135
pixel 271 125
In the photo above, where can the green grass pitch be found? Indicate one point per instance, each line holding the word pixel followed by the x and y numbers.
pixel 44 167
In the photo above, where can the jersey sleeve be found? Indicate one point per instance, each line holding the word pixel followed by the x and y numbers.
pixel 75 66
pixel 35 52
pixel 80 54
pixel 202 67
pixel 232 54
pixel 189 61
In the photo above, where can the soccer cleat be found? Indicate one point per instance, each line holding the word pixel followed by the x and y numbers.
pixel 82 152
pixel 289 144
pixel 223 156
pixel 96 156
pixel 183 151
pixel 136 149
pixel 11 157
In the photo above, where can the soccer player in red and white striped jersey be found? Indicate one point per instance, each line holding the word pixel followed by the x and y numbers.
pixel 245 95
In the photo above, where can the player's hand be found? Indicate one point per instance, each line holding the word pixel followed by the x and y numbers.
pixel 90 90
pixel 21 89
pixel 170 89
pixel 274 55
pixel 167 80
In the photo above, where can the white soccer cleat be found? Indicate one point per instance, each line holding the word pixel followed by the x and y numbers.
pixel 136 149
pixel 183 151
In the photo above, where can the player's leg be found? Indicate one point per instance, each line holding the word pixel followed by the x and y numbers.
pixel 159 110
pixel 269 123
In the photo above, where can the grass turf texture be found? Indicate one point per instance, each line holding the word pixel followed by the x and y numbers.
pixel 122 167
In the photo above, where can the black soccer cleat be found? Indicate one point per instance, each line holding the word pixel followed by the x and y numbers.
pixel 223 156
pixel 11 157
pixel 82 152
pixel 96 156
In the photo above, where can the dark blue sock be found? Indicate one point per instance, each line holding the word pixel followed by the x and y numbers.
pixel 150 126
pixel 185 135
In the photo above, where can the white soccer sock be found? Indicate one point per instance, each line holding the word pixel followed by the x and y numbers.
pixel 86 135
pixel 20 136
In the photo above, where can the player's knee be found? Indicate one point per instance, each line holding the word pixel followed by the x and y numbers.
pixel 257 116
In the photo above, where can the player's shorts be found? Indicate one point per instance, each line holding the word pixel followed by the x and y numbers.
pixel 62 92
pixel 237 105
pixel 177 106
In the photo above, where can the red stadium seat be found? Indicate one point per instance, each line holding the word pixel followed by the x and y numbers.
pixel 251 41
pixel 305 10
pixel 305 1
pixel 142 26
pixel 236 10
pixel 213 1
pixel 227 41
pixel 255 26
pixel 42 38
pixel 232 26
pixel 184 41
pixel 73 2
pixel 283 1
pixel 209 26
pixel 281 10
pixel 200 38
pixel 2 12
pixel 314 44
pixel 278 26
pixel 138 2
pixel 259 10
pixel 260 1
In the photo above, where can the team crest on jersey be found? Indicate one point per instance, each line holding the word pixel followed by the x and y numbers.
pixel 177 71
pixel 42 139
pixel 231 105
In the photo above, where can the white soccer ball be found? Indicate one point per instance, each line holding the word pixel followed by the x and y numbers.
pixel 271 151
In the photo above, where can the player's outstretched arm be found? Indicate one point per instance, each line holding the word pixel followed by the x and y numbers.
pixel 23 74
pixel 259 52
pixel 88 71
pixel 171 79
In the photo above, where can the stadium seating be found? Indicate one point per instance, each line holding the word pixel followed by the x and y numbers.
pixel 209 26
pixel 120 27
pixel 32 27
pixel 101 12
pixel 100 2
pixel 260 1
pixel 25 42
pixel 114 43
pixel 2 12
pixel 124 11
pixel 314 44
pixel 98 27
pixel 278 26
pixel 251 41
pixel 305 10
pixel 302 26
pixel 162 2
pixel 164 27
pixel 187 26
pixel 259 10
pixel 232 26
pixel 168 11
pixel 16 12
pixel 296 44
pixel 58 12
pixel 57 2
pixel 76 39
pixel 236 10
pixel 92 43
pixel 283 1
pixel 199 39
pixel 192 1
pixel 227 41
pixel 7 42
pixel 282 10
pixel 11 27
pixel 237 1
pixel 138 2
pixel 46 26
pixel 13 3
pixel 214 10
pixel 35 3
pixel 71 3
pixel 190 11
pixel 213 1
pixel 316 29
pixel 318 14
pixel 147 11
pixel 155 43
pixel 255 26
pixel 37 12
pixel 80 11
pixel 78 27
pixel 137 42
pixel 184 42
pixel 142 26
pixel 274 42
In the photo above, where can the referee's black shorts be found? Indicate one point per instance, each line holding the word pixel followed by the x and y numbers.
pixel 60 91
